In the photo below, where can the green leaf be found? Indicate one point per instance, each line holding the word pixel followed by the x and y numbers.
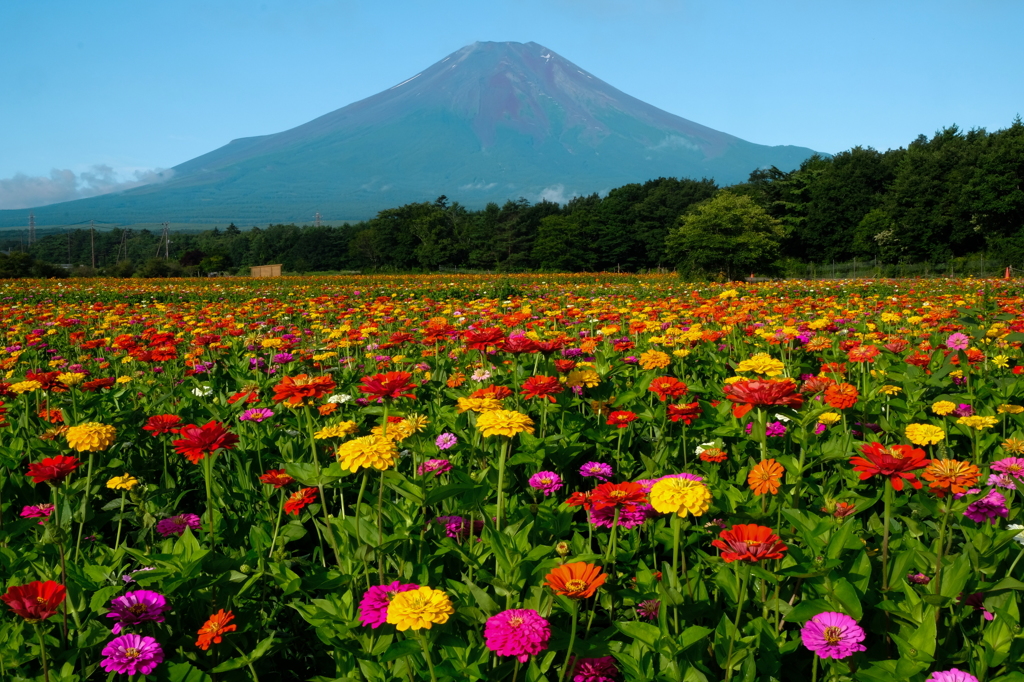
pixel 645 632
pixel 184 672
pixel 806 610
pixel 399 649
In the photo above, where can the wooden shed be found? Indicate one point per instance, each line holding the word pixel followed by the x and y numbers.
pixel 265 270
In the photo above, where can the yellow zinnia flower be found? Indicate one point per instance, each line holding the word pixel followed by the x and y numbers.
pixel 977 422
pixel 339 430
pixel 889 390
pixel 478 404
pixel 762 363
pixel 943 407
pixel 420 608
pixel 583 377
pixel 25 387
pixel 368 451
pixel 829 418
pixel 126 482
pixel 924 434
pixel 679 496
pixel 70 379
pixel 91 437
pixel 654 359
pixel 1009 409
pixel 503 423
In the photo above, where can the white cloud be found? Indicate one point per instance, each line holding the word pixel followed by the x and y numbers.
pixel 556 193
pixel 24 191
pixel 479 185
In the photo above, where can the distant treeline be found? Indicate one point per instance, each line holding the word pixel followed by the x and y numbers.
pixel 947 197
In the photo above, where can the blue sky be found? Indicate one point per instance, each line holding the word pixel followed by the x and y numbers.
pixel 95 95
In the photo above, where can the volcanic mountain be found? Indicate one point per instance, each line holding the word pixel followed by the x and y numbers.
pixel 490 122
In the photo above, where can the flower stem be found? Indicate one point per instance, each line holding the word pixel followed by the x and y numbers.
pixel 572 642
pixel 359 502
pixel 85 500
pixel 938 552
pixel 741 599
pixel 501 482
pixel 885 535
pixel 120 519
pixel 609 557
pixel 814 669
pixel 208 476
pixel 277 527
pixel 42 652
pixel 426 655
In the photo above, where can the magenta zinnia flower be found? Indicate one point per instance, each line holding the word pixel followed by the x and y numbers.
pixel 546 481
pixel 833 635
pixel 1010 465
pixel 41 511
pixel 958 341
pixel 373 609
pixel 598 470
pixel 434 466
pixel 602 669
pixel 988 508
pixel 457 527
pixel 137 607
pixel 518 632
pixel 176 525
pixel 257 414
pixel 446 440
pixel 951 675
pixel 131 655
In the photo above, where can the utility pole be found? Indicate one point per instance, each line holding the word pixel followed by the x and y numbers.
pixel 92 242
pixel 165 242
pixel 31 228
pixel 317 216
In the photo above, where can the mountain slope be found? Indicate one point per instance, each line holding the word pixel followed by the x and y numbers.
pixel 490 122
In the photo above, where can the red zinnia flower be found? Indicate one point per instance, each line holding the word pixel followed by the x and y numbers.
pixel 863 354
pixel 684 412
pixel 668 387
pixel 565 366
pixel 542 387
pixel 479 339
pixel 198 441
pixel 621 418
pixel 249 395
pixel 213 628
pixel 52 469
pixel 548 347
pixel 161 424
pixel 762 393
pixel 294 390
pixel 35 601
pixel 392 385
pixel 97 384
pixel 579 500
pixel 749 542
pixel 298 501
pixel 276 478
pixel 496 392
pixel 627 495
pixel 519 344
pixel 894 462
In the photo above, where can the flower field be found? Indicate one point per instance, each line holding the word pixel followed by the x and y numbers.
pixel 597 478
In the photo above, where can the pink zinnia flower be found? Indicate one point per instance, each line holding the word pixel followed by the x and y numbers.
pixel 600 471
pixel 1010 465
pixel 958 341
pixel 41 511
pixel 434 466
pixel 628 518
pixel 602 669
pixel 137 607
pixel 176 525
pixel 977 602
pixel 518 632
pixel 446 440
pixel 988 508
pixel 951 675
pixel 833 635
pixel 131 655
pixel 457 527
pixel 546 481
pixel 373 609
pixel 649 609
pixel 257 414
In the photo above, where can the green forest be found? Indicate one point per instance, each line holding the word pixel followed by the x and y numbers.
pixel 956 195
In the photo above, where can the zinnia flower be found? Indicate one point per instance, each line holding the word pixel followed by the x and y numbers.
pixel 198 441
pixel 294 391
pixel 601 669
pixel 977 422
pixel 749 542
pixel 598 470
pixel 35 601
pixel 765 477
pixel 136 607
pixel 626 496
pixel 504 423
pixel 578 580
pixel 684 412
pixel 52 469
pixel 418 609
pixel 126 482
pixel 654 359
pixel 895 462
pixel 299 500
pixel 1010 465
pixel 680 496
pixel 391 385
pixel 41 511
pixel 988 508
pixel 761 363
pixel 841 396
pixel 621 418
pixel 256 414
pixel 373 608
pixel 761 393
pixel 162 423
pixel 943 408
pixel 542 387
pixel 446 441
pixel 951 675
pixel 434 466
pixel 546 481
pixel 517 632
pixel 950 475
pixel 369 451
pixel 833 635
pixel 667 387
pixel 924 434
pixel 176 525
pixel 214 628
pixel 90 437
pixel 277 478
pixel 132 655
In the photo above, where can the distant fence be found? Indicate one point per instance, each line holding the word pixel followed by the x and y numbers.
pixel 862 269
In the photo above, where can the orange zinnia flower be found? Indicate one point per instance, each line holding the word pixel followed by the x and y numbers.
pixel 392 385
pixel 628 495
pixel 841 396
pixel 863 354
pixel 213 628
pixel 749 542
pixel 542 387
pixel 950 476
pixel 295 390
pixel 579 580
pixel 895 463
pixel 668 387
pixel 684 412
pixel 765 477
pixel 299 500
pixel 752 393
